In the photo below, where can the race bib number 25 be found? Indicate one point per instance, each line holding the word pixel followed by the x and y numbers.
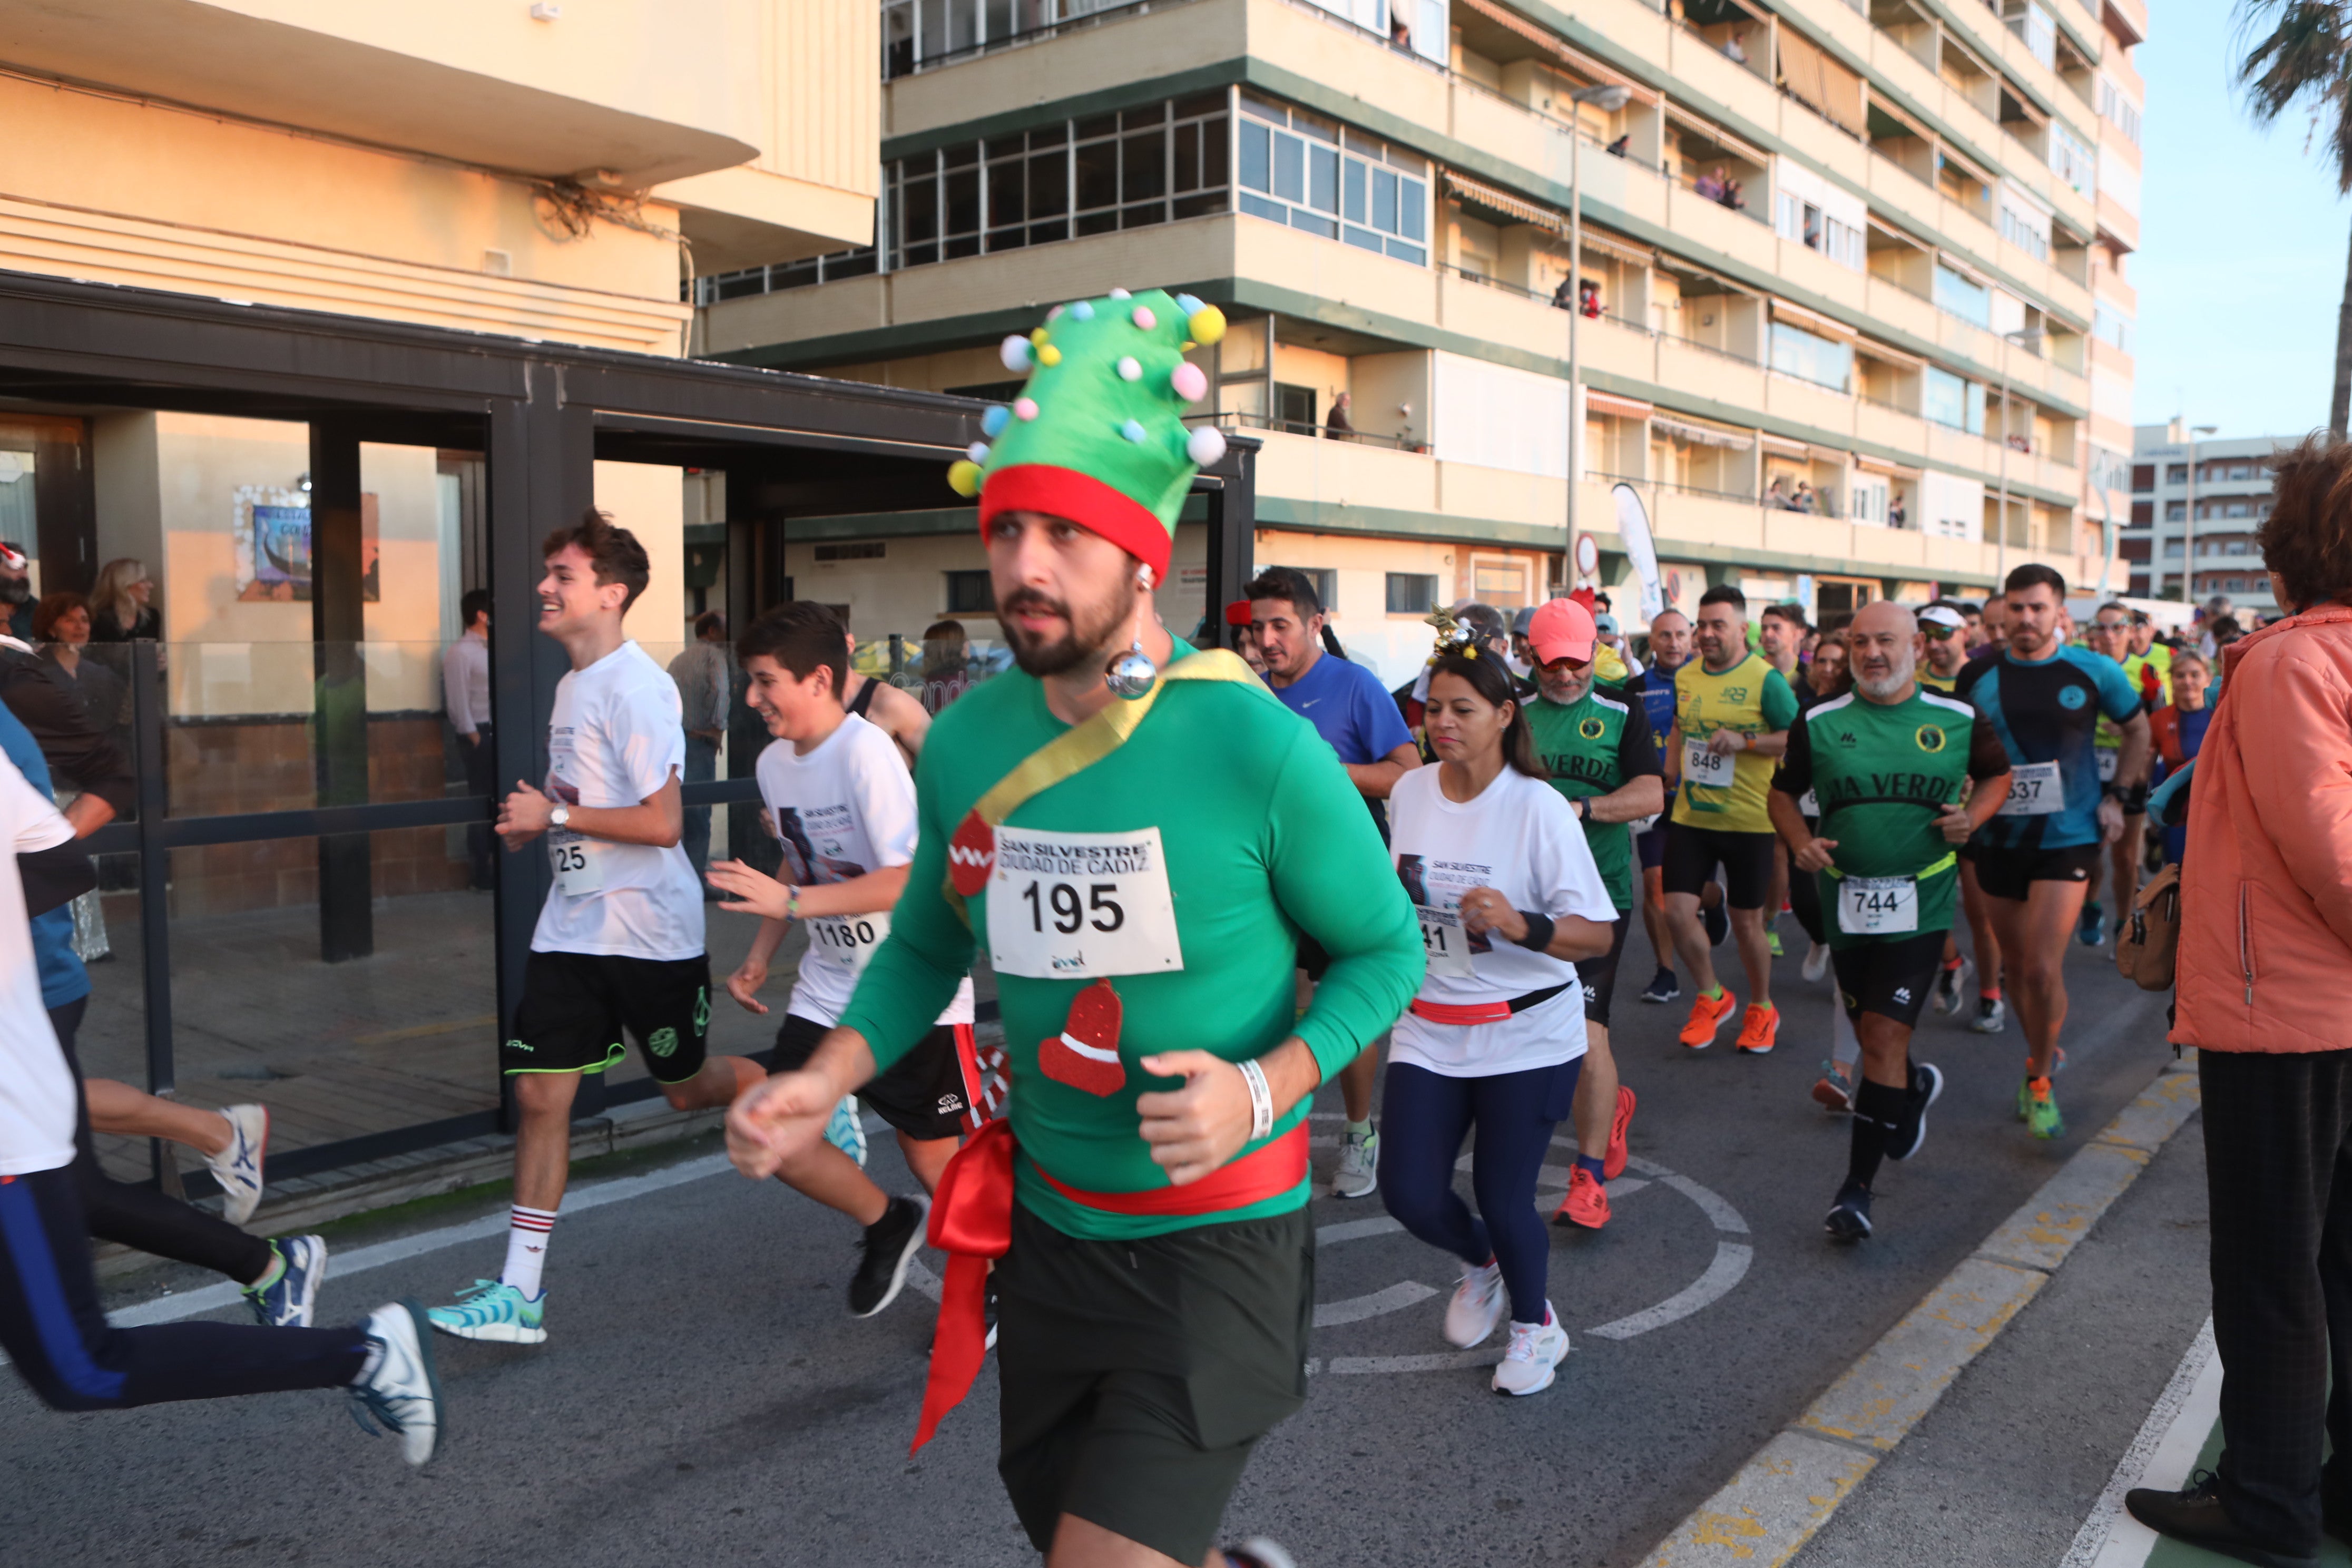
pixel 1077 906
pixel 578 868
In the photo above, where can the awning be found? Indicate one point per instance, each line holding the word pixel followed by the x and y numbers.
pixel 1617 407
pixel 1575 60
pixel 1700 435
pixel 1797 315
pixel 1892 232
pixel 1782 446
pixel 1871 348
pixel 1511 206
pixel 1609 245
pixel 1812 78
pixel 1881 465
pixel 1716 134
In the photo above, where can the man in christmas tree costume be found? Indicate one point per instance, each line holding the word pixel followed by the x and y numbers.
pixel 1141 833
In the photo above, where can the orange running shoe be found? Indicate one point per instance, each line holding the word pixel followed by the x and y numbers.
pixel 1587 1203
pixel 1706 1018
pixel 1758 1027
pixel 1612 1160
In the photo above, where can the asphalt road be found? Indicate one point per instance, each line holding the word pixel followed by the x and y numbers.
pixel 704 1396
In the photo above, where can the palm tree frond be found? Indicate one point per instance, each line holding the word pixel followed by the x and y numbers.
pixel 2304 57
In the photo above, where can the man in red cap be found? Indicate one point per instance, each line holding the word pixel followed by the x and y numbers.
pixel 1145 1201
pixel 1597 747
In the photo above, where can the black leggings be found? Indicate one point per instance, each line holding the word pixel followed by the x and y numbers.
pixel 1805 894
pixel 140 1216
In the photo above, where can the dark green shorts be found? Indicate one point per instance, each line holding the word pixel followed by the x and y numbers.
pixel 1138 1375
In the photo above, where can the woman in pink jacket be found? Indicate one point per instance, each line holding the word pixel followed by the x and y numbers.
pixel 2265 953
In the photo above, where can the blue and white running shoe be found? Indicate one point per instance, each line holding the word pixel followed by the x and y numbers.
pixel 402 1393
pixel 492 1310
pixel 846 1129
pixel 289 1301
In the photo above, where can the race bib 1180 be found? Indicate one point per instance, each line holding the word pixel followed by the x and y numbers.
pixel 848 940
pixel 1077 906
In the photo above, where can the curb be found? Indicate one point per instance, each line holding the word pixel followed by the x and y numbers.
pixel 1781 1497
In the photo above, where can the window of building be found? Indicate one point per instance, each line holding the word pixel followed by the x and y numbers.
pixel 1963 295
pixel 2143 475
pixel 2234 547
pixel 2176 512
pixel 2072 160
pixel 1953 400
pixel 1294 409
pixel 2117 108
pixel 1411 594
pixel 1499 582
pixel 2236 508
pixel 2031 23
pixel 2241 472
pixel 2172 547
pixel 858 262
pixel 2111 326
pixel 1322 579
pixel 2023 223
pixel 1303 171
pixel 1824 362
pixel 2233 585
pixel 2176 474
pixel 1802 221
pixel 970 593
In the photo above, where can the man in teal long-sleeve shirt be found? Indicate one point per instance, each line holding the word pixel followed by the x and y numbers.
pixel 1141 900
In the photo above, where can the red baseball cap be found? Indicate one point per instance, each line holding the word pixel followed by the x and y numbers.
pixel 1562 628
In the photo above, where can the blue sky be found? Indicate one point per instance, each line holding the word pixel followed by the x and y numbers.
pixel 2243 245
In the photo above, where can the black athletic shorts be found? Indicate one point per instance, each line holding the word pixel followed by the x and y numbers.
pixel 1889 978
pixel 926 1094
pixel 1137 1376
pixel 1694 853
pixel 575 1006
pixel 1652 846
pixel 2004 873
pixel 1598 975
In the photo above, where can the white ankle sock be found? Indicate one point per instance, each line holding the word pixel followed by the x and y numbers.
pixel 526 1238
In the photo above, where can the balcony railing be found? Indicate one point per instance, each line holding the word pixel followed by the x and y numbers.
pixel 1235 420
pixel 898 55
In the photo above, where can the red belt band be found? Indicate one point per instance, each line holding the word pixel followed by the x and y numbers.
pixel 971 1222
pixel 1481 1011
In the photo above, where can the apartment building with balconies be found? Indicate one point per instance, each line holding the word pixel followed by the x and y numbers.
pixel 2201 496
pixel 1841 276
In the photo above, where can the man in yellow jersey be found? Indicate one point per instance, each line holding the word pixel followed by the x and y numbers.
pixel 2145 647
pixel 1732 713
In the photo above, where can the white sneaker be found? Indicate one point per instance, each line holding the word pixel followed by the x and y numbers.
pixel 1476 1307
pixel 1817 961
pixel 403 1395
pixel 1949 993
pixel 238 1168
pixel 1536 1350
pixel 1358 1175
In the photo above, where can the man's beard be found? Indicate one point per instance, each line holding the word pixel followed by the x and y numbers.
pixel 16 590
pixel 1893 680
pixel 1089 638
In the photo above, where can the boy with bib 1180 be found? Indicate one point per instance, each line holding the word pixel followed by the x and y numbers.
pixel 1890 763
pixel 845 810
pixel 619 941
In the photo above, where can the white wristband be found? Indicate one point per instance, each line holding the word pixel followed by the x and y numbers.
pixel 1261 1099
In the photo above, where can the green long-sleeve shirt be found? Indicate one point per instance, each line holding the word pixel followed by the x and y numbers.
pixel 1264 838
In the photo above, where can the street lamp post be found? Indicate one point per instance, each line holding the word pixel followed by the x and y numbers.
pixel 2189 519
pixel 1611 99
pixel 2024 337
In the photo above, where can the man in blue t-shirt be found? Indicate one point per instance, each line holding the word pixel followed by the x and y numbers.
pixel 2035 858
pixel 1358 719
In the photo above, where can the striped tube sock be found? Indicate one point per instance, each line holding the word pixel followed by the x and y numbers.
pixel 526 1247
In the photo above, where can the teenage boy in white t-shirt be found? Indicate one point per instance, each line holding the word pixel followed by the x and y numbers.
pixel 619 942
pixel 845 808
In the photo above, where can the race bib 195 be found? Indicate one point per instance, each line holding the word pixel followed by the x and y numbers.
pixel 1701 766
pixel 1445 942
pixel 1077 906
pixel 2034 790
pixel 1878 906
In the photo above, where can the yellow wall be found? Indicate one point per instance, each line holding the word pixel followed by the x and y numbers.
pixel 650 502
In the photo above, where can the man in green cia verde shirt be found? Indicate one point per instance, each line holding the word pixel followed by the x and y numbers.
pixel 1596 744
pixel 1904 776
pixel 1142 871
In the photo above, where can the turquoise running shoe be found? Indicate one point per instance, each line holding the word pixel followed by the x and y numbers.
pixel 846 1129
pixel 489 1309
pixel 2041 1118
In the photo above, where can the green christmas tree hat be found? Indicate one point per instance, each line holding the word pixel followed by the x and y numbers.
pixel 1097 435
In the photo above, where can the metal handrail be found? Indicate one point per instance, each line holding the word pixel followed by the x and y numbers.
pixel 1235 419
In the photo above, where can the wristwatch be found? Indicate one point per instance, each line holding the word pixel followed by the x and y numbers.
pixel 559 817
pixel 1583 808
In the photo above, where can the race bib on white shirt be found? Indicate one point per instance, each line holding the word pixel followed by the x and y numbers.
pixel 1447 944
pixel 2109 758
pixel 1878 906
pixel 847 941
pixel 579 864
pixel 1078 906
pixel 2034 790
pixel 1701 766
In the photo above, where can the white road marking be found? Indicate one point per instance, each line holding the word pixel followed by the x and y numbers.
pixel 1356 1309
pixel 1723 1215
pixel 1730 1266
pixel 2161 1456
pixel 1345 1365
pixel 920 1279
pixel 1354 1229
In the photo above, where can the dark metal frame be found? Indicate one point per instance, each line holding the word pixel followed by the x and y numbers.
pixel 542 414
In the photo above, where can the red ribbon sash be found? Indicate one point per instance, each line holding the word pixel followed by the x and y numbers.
pixel 971 1222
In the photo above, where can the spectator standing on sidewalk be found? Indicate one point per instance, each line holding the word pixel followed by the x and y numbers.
pixel 704 691
pixel 466 698
pixel 2266 942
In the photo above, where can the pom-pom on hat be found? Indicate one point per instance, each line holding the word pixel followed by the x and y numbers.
pixel 1097 435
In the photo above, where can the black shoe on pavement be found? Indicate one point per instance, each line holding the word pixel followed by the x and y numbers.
pixel 889 1245
pixel 2195 1514
pixel 1849 1217
pixel 1926 1087
pixel 1718 924
pixel 1664 986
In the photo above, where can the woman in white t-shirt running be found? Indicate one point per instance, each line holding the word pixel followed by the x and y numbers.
pixel 1496 861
